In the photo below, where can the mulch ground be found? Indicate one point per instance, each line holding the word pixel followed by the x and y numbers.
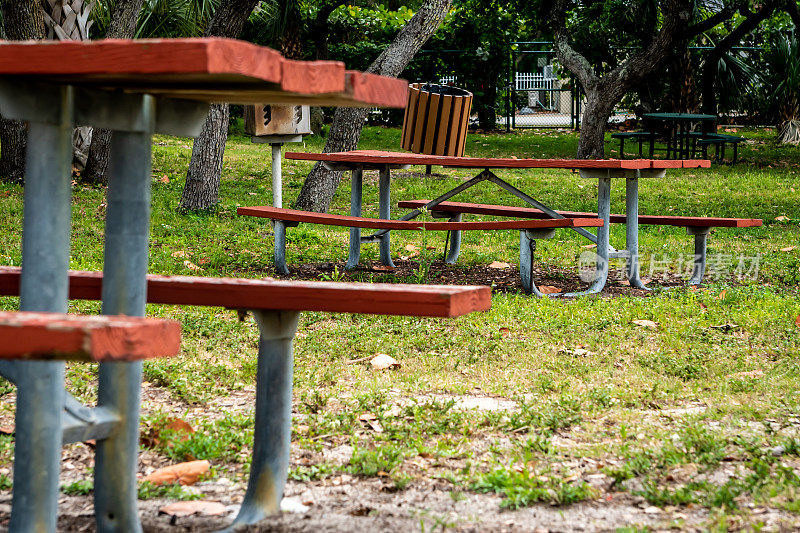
pixel 501 280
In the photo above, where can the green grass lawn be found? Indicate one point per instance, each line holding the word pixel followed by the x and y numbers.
pixel 712 388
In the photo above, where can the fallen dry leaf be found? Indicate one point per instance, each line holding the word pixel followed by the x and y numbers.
pixel 549 289
pixel 383 268
pixel 191 266
pixel 577 352
pixel 411 248
pixel 188 508
pixel 782 218
pixel 384 362
pixel 504 332
pixel 646 324
pixel 183 473
pixel 589 246
pixel 152 435
pixel 788 248
pixel 179 253
pixel 797 321
pixel 499 265
pixel 164 179
pixel 723 294
pixel 750 374
pixel 372 421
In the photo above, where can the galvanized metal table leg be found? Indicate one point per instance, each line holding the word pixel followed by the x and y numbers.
pixel 277 177
pixel 632 231
pixel 124 292
pixel 279 254
pixel 700 240
pixel 272 437
pixel 603 233
pixel 384 211
pixel 356 190
pixel 454 238
pixel 527 247
pixel 45 261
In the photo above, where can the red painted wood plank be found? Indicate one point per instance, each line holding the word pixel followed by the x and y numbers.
pixel 25 335
pixel 385 157
pixel 146 56
pixel 209 69
pixel 292 215
pixel 313 77
pixel 366 298
pixel 530 212
pixel 380 91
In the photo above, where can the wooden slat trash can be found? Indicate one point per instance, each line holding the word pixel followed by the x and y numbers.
pixel 436 119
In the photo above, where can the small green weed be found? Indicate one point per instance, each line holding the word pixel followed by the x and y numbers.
pixel 148 491
pixel 82 487
pixel 523 488
pixel 311 472
pixel 369 463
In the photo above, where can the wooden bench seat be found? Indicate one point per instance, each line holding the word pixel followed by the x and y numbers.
pixel 276 305
pixel 284 295
pixel 530 212
pixel 27 335
pixel 697 226
pixel 530 229
pixel 292 215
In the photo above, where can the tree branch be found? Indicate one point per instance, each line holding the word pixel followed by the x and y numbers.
pixel 642 63
pixel 709 23
pixel 571 59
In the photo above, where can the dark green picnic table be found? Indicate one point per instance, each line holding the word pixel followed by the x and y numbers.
pixel 678 128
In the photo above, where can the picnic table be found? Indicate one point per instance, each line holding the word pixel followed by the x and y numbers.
pixel 137 88
pixel 603 171
pixel 678 128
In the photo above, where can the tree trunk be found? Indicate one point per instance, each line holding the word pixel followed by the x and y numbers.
pixel 750 23
pixel 22 20
pixel 591 144
pixel 68 20
pixel 122 26
pixel 603 93
pixel 200 192
pixel 205 169
pixel 320 27
pixel 320 185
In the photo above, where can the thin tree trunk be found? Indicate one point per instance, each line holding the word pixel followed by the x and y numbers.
pixel 122 26
pixel 320 185
pixel 22 20
pixel 205 169
pixel 596 111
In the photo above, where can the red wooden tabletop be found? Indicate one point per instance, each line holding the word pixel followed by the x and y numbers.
pixel 208 69
pixel 401 158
